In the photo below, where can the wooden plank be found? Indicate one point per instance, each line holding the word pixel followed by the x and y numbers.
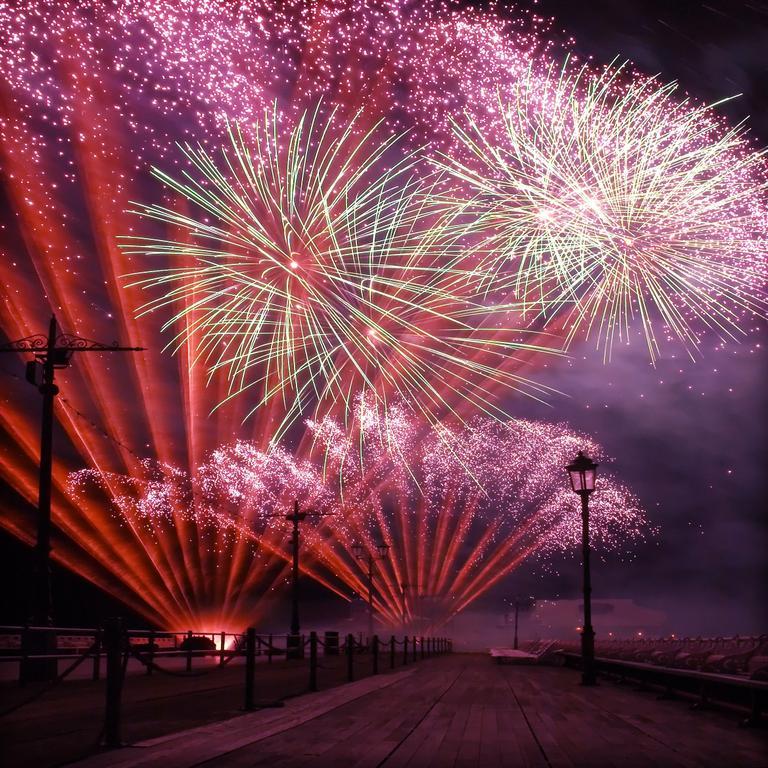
pixel 463 712
pixel 193 747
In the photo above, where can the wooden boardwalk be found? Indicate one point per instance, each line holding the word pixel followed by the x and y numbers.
pixel 461 711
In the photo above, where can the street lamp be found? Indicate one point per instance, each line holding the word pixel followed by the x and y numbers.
pixel 297 516
pixel 521 602
pixel 362 553
pixel 582 472
pixel 51 352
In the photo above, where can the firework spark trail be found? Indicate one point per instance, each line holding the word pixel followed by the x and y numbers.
pixel 311 277
pixel 240 494
pixel 607 198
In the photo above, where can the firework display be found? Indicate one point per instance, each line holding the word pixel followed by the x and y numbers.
pixel 607 198
pixel 309 276
pixel 460 508
pixel 345 208
pixel 214 536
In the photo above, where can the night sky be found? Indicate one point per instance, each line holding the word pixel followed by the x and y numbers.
pixel 687 436
pixel 694 446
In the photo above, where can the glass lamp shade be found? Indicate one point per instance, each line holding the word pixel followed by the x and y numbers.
pixel 358 550
pixel 382 549
pixel 583 472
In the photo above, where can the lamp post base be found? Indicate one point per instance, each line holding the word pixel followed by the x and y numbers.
pixel 294 646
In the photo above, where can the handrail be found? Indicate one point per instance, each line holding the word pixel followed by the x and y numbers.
pixel 705 686
pixel 118 645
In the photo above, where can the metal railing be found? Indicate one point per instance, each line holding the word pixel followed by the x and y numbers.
pixel 735 655
pixel 116 646
pixel 705 688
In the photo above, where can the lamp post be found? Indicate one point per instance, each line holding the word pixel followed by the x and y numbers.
pixel 361 553
pixel 517 612
pixel 51 352
pixel 582 472
pixel 518 602
pixel 295 517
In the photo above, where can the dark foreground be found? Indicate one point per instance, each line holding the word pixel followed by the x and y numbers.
pixel 462 710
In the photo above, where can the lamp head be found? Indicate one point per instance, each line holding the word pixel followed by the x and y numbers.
pixel 582 472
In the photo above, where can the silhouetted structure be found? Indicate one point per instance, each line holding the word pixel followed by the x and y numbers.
pixel 51 352
pixel 582 472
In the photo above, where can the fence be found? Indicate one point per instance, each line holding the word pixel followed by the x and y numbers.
pixel 706 688
pixel 745 655
pixel 35 649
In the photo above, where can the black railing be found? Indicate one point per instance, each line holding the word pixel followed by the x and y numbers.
pixel 119 646
pixel 704 688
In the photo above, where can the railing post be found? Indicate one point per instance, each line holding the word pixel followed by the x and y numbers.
pixel 223 641
pixel 151 651
pixel 350 657
pixel 375 653
pixel 113 642
pixel 269 650
pixel 189 650
pixel 405 650
pixel 392 652
pixel 415 648
pixel 97 642
pixel 24 665
pixel 313 661
pixel 250 667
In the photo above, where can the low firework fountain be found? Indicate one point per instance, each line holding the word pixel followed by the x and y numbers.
pixel 461 507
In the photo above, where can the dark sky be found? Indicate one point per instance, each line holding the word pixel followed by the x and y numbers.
pixel 694 447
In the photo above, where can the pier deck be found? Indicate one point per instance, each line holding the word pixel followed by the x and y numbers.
pixel 462 711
